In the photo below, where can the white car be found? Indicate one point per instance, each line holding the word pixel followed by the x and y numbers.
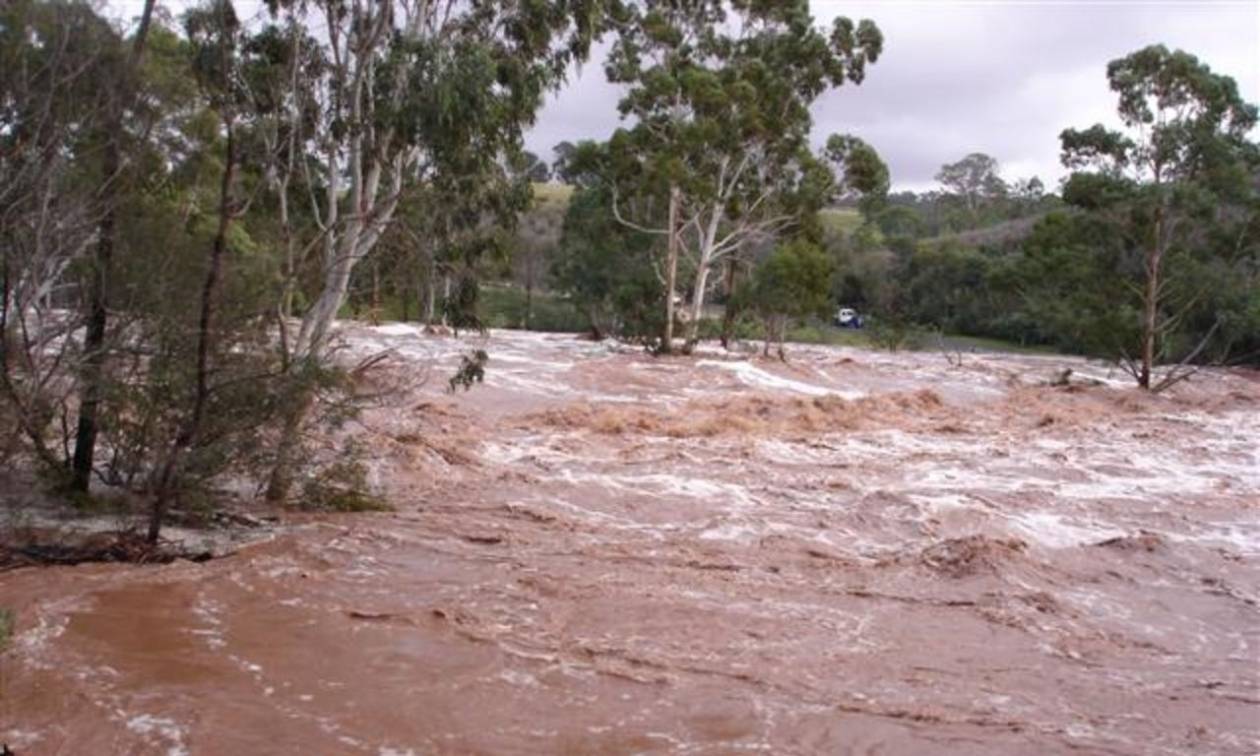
pixel 847 317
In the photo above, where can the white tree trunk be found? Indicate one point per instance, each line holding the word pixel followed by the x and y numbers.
pixel 697 305
pixel 707 257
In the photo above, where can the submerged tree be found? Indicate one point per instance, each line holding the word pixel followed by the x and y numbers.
pixel 120 95
pixel 794 282
pixel 412 91
pixel 216 35
pixel 58 64
pixel 1183 167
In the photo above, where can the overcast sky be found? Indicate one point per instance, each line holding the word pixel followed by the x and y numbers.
pixel 959 76
pixel 1002 77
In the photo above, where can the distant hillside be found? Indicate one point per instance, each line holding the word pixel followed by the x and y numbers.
pixel 1000 233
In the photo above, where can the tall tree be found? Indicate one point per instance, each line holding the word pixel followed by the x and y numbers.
pixel 561 153
pixel 974 180
pixel 533 167
pixel 58 62
pixel 720 92
pixel 217 37
pixel 412 90
pixel 860 175
pixel 122 91
pixel 1182 161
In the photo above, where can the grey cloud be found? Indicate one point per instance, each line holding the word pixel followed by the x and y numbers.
pixel 959 77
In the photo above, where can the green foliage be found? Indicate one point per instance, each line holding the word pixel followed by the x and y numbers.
pixel 1014 263
pixel 893 334
pixel 472 370
pixel 974 180
pixel 719 95
pixel 1173 189
pixel 862 174
pixel 1072 276
pixel 342 486
pixel 605 269
pixel 7 622
pixel 794 282
pixel 947 285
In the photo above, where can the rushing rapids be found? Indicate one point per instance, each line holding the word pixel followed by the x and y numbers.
pixel 598 551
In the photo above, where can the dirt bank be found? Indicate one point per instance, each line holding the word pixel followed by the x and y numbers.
pixel 602 552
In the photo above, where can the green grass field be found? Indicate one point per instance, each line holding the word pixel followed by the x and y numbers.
pixel 844 220
pixel 552 193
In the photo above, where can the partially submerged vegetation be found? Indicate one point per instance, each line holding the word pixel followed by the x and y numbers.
pixel 6 627
pixel 172 277
pixel 201 214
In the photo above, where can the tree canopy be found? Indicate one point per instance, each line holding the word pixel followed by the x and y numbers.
pixel 1179 178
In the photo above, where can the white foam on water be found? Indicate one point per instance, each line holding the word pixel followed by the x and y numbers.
pixel 1058 532
pixel 162 728
pixel 1242 536
pixel 396 329
pixel 664 485
pixel 751 375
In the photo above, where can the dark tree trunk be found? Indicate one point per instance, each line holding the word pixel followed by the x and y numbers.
pixel 671 271
pixel 168 482
pixel 529 301
pixel 93 371
pixel 1150 304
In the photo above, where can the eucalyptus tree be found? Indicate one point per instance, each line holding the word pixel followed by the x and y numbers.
pixel 280 65
pixel 859 175
pixel 57 60
pixel 719 93
pixel 604 267
pixel 413 89
pixel 121 92
pixel 534 167
pixel 1182 169
pixel 442 231
pixel 974 180
pixel 217 37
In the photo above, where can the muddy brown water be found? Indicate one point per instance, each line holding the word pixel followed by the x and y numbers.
pixel 601 552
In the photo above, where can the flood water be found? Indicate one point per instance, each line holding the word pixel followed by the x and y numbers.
pixel 599 552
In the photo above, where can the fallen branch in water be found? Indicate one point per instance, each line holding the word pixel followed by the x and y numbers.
pixel 126 546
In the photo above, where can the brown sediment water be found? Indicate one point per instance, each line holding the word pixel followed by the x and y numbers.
pixel 603 552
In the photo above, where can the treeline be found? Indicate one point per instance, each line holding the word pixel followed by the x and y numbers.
pixel 1149 255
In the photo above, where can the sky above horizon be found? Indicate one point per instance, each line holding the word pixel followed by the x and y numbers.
pixel 1003 77
pixel 962 76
